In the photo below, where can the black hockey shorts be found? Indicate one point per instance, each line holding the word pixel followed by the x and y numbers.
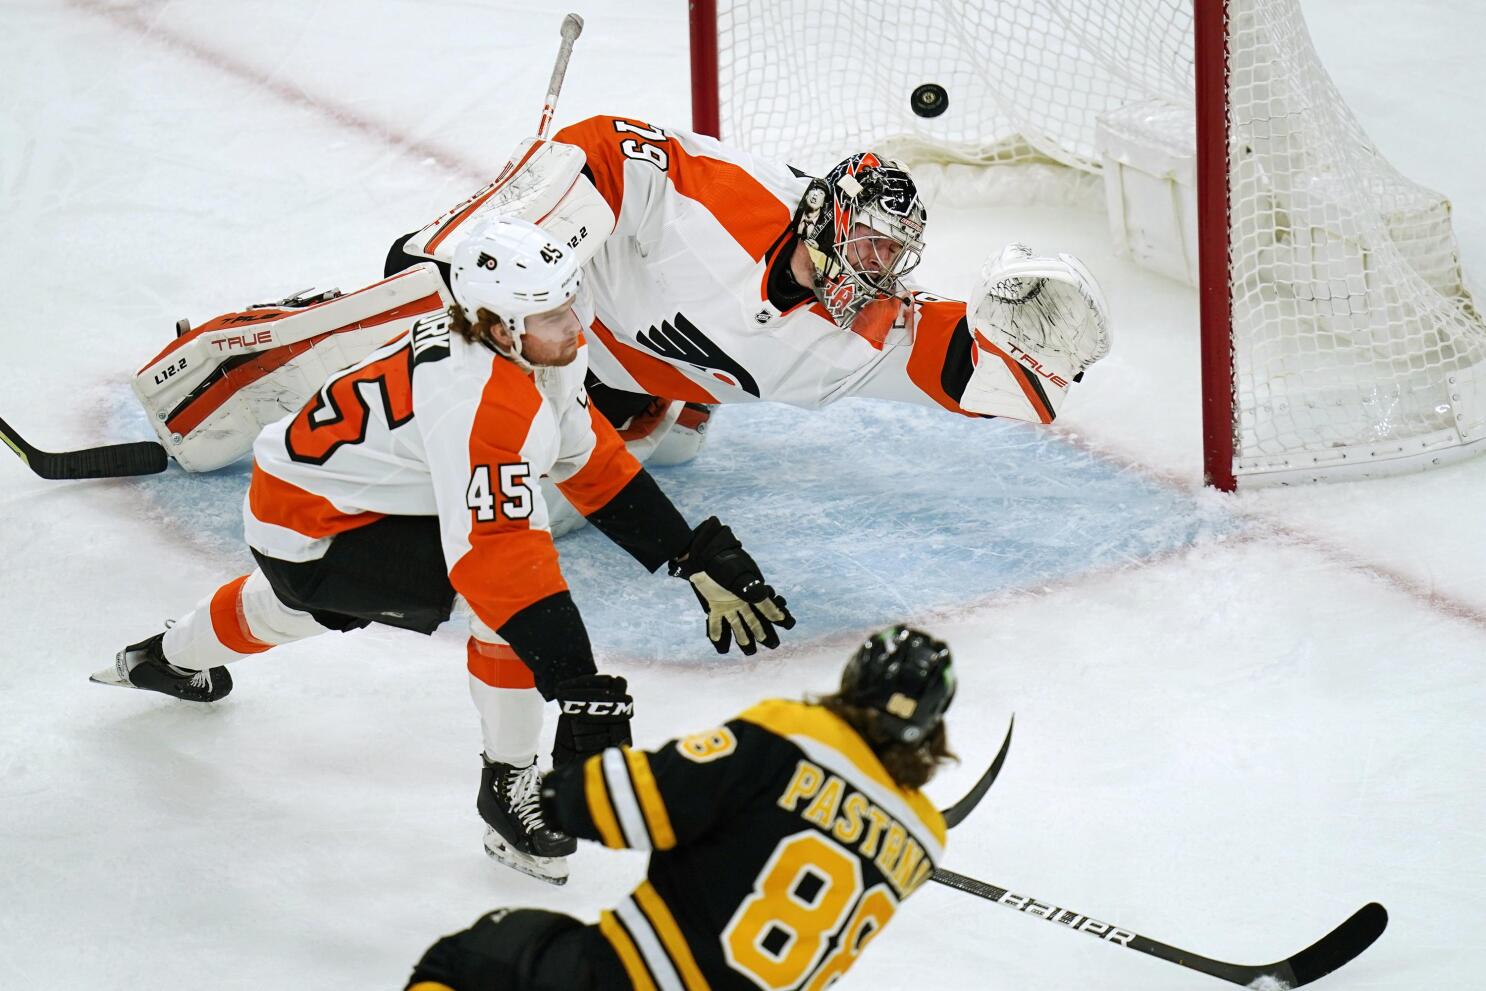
pixel 525 949
pixel 390 572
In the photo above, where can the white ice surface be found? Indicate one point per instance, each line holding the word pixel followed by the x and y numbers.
pixel 1238 719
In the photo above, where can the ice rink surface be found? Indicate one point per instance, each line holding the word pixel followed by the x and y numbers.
pixel 1239 719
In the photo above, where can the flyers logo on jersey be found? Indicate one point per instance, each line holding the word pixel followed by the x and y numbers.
pixel 679 341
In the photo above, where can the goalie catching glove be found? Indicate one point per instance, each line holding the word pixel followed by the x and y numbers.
pixel 731 589
pixel 1045 315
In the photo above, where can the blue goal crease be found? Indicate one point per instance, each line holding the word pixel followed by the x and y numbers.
pixel 862 514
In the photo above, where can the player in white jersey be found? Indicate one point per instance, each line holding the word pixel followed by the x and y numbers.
pixel 719 278
pixel 412 476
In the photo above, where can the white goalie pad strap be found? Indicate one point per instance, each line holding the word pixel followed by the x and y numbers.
pixel 212 390
pixel 542 183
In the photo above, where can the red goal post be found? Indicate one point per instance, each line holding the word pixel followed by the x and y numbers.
pixel 1339 335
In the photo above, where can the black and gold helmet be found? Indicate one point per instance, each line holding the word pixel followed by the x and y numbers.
pixel 904 675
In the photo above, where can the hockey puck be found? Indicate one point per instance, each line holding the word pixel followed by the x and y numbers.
pixel 929 100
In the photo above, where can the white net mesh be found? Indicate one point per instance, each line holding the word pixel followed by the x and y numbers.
pixel 1355 340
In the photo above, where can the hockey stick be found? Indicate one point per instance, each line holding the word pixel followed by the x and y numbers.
pixel 572 26
pixel 144 457
pixel 956 813
pixel 1328 953
pixel 1333 950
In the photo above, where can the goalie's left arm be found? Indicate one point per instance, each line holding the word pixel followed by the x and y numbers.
pixel 1033 326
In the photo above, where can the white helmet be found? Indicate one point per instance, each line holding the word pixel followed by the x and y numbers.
pixel 512 268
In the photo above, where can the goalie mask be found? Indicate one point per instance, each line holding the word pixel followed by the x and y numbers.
pixel 514 269
pixel 863 225
pixel 906 677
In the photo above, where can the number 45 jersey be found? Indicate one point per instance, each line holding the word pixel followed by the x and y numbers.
pixel 781 847
pixel 430 424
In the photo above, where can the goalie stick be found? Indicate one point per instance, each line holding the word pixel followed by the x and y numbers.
pixel 572 26
pixel 144 457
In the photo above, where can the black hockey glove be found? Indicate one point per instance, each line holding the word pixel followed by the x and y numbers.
pixel 469 960
pixel 731 589
pixel 595 711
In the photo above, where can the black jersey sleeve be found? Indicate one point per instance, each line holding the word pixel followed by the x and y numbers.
pixel 657 800
pixel 643 521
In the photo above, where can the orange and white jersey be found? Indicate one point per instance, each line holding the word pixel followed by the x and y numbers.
pixel 686 290
pixel 431 424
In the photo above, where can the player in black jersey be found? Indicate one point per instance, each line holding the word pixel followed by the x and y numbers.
pixel 782 843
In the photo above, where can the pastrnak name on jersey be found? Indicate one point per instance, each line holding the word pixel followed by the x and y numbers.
pixel 780 847
pixel 825 800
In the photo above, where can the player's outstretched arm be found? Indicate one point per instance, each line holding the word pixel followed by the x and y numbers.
pixel 1032 327
pixel 731 588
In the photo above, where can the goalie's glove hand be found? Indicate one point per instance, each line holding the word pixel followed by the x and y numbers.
pixel 731 589
pixel 1049 306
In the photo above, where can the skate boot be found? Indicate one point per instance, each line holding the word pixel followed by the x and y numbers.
pixel 143 665
pixel 515 834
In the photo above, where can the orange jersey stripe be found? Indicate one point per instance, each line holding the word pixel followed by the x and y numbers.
pixel 742 205
pixel 273 500
pixel 497 665
pixel 654 376
pixel 600 144
pixel 934 327
pixel 509 565
pixel 609 468
pixel 229 623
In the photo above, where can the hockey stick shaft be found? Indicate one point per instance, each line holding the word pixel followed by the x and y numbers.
pixel 109 461
pixel 1333 950
pixel 956 813
pixel 572 26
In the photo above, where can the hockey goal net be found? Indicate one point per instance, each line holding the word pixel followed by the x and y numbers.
pixel 1339 336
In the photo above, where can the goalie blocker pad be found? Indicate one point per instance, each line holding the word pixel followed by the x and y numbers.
pixel 214 388
pixel 542 183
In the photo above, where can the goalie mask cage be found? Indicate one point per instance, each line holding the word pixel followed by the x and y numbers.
pixel 1339 337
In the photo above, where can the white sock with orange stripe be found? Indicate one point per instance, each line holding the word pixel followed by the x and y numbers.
pixel 242 618
pixel 506 695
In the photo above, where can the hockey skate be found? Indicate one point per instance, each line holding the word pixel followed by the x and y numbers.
pixel 143 665
pixel 515 834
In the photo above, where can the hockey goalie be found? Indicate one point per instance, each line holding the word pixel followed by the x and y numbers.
pixel 713 278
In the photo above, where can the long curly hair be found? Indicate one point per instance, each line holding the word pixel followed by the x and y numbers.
pixel 910 765
pixel 479 332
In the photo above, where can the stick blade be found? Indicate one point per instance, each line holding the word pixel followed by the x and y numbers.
pixel 113 461
pixel 1342 945
pixel 956 813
